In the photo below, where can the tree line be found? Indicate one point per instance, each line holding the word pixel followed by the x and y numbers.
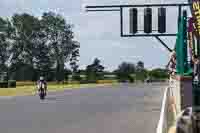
pixel 37 46
pixel 33 46
pixel 126 72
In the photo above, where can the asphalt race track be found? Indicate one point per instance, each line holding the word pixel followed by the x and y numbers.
pixel 118 109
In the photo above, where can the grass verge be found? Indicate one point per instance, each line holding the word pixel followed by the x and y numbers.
pixel 31 89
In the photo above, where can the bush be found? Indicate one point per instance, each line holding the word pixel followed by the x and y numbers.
pixel 12 83
pixel 84 82
pixel 3 84
pixel 131 79
pixel 76 77
pixel 74 82
pixel 92 81
pixel 106 81
pixel 123 81
pixel 25 83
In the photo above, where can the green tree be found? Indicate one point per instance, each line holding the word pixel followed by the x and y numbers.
pixel 38 43
pixel 94 71
pixel 4 42
pixel 25 29
pixel 42 60
pixel 125 70
pixel 67 73
pixel 140 66
pixel 23 72
pixel 141 75
pixel 60 38
pixel 159 73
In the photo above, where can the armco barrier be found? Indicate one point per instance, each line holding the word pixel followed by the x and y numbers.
pixel 162 124
pixel 168 112
pixel 171 106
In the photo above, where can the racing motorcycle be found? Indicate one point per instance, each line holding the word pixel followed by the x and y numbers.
pixel 41 90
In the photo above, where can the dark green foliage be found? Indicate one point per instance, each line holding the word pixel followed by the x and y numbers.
pixel 85 82
pixel 124 71
pixel 67 73
pixel 94 71
pixel 131 79
pixel 140 66
pixel 82 72
pixel 60 39
pixel 21 72
pixel 159 74
pixel 3 84
pixel 50 76
pixel 12 83
pixel 74 57
pixel 129 72
pixel 23 38
pixel 141 75
pixel 4 45
pixel 92 81
pixel 76 77
pixel 42 60
pixel 36 46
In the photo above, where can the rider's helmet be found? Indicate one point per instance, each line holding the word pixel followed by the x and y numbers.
pixel 173 54
pixel 41 78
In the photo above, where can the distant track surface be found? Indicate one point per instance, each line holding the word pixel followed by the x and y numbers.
pixel 118 109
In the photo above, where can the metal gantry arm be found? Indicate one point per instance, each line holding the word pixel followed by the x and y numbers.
pixel 181 34
pixel 144 5
pixel 119 8
pixel 163 43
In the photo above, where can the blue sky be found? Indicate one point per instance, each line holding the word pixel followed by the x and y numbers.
pixel 98 33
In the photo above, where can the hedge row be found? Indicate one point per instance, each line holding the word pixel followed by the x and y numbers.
pixel 106 81
pixel 25 83
pixel 30 83
pixel 3 84
pixel 6 84
pixel 12 84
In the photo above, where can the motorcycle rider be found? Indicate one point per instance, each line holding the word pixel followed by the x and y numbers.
pixel 41 82
pixel 172 63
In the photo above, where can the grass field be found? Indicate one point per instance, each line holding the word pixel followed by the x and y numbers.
pixel 23 90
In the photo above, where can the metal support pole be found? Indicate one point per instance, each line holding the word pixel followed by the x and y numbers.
pixel 121 21
pixel 144 5
pixel 104 10
pixel 148 35
pixel 163 43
